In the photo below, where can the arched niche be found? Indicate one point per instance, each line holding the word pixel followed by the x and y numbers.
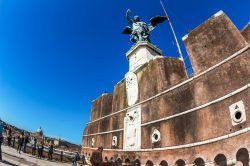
pixel 137 162
pixel 220 160
pixel 199 162
pixel 242 157
pixel 180 163
pixel 149 163
pixel 119 160
pixel 127 161
pixel 163 163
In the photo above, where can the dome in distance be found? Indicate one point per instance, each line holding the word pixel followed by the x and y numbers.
pixel 39 131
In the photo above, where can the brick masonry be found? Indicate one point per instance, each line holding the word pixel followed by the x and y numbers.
pixel 207 45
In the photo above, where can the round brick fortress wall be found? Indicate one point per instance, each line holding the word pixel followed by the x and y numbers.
pixel 193 115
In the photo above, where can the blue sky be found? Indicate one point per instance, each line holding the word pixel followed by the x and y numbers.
pixel 56 56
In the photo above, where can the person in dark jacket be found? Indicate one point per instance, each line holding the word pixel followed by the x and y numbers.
pixel 96 158
pixel 14 141
pixel 20 142
pixel 76 158
pixel 40 150
pixel 61 156
pixel 26 140
pixel 2 127
pixel 51 150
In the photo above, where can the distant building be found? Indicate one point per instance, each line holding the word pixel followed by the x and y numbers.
pixel 39 132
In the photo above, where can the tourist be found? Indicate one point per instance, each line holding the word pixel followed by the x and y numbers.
pixel 33 143
pixel 96 158
pixel 9 135
pixel 1 138
pixel 14 141
pixel 61 156
pixel 20 142
pixel 75 159
pixel 51 150
pixel 40 150
pixel 26 140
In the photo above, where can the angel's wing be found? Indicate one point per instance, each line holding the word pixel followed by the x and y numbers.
pixel 157 20
pixel 127 30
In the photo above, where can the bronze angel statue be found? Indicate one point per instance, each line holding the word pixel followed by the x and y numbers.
pixel 140 31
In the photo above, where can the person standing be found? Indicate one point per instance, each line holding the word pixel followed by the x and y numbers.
pixel 75 159
pixel 33 143
pixel 51 150
pixel 61 156
pixel 96 158
pixel 14 141
pixel 20 142
pixel 1 138
pixel 9 135
pixel 26 140
pixel 40 150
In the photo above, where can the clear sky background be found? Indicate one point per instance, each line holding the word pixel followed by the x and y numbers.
pixel 56 56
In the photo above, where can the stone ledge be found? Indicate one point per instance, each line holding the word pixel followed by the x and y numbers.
pixel 135 46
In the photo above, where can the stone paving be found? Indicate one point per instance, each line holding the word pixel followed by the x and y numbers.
pixel 12 158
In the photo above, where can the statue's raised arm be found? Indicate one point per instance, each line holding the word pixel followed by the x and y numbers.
pixel 130 21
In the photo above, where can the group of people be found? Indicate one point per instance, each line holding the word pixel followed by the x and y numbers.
pixel 37 148
pixel 97 160
pixel 22 140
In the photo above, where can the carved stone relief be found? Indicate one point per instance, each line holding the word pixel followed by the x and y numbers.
pixel 131 88
pixel 114 141
pixel 132 129
pixel 93 142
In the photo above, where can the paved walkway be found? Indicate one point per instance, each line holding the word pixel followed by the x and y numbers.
pixel 12 158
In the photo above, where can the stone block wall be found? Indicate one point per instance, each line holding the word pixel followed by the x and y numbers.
pixel 246 32
pixel 212 42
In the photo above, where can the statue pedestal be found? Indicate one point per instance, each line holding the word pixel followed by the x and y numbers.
pixel 141 53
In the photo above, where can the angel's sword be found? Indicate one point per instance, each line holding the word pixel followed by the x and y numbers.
pixel 176 40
